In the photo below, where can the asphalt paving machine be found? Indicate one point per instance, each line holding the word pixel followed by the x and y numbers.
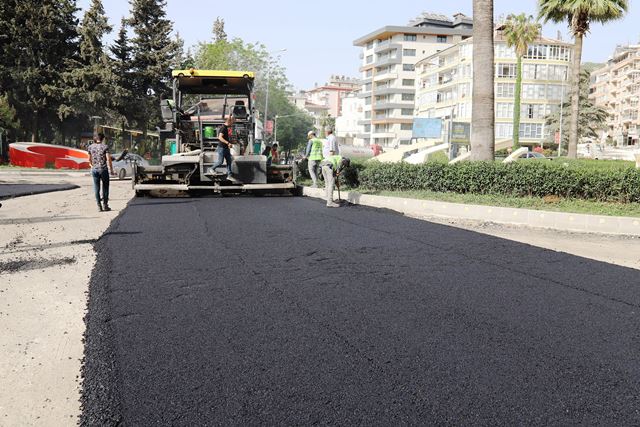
pixel 202 100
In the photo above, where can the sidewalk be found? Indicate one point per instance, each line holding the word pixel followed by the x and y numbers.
pixel 45 263
pixel 562 221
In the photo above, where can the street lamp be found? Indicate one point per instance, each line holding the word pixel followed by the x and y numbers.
pixel 266 103
pixel 95 125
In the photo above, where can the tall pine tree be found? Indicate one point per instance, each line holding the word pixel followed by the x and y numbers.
pixel 88 82
pixel 153 54
pixel 41 37
pixel 121 68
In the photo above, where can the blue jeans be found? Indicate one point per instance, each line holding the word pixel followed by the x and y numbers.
pixel 101 176
pixel 224 154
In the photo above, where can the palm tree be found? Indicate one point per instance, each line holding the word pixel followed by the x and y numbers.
pixel 482 114
pixel 579 14
pixel 519 31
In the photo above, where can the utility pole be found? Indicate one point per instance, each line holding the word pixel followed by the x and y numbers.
pixel 266 103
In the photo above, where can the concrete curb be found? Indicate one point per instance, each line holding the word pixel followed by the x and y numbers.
pixel 561 221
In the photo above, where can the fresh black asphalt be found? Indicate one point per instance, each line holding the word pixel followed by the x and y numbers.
pixel 8 191
pixel 279 311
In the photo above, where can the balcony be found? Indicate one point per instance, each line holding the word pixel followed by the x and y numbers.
pixel 388 61
pixel 384 134
pixel 392 105
pixel 386 46
pixel 384 77
pixel 393 91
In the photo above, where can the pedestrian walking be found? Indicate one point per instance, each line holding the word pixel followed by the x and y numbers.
pixel 332 166
pixel 101 167
pixel 330 145
pixel 224 146
pixel 314 155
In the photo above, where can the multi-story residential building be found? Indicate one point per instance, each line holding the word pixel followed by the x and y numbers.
pixel 389 56
pixel 331 93
pixel 349 124
pixel 445 85
pixel 616 88
pixel 325 101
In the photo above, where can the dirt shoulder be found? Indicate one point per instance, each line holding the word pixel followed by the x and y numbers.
pixel 46 258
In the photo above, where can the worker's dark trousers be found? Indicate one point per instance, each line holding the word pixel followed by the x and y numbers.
pixel 101 176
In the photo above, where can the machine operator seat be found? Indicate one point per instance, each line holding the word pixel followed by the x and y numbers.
pixel 240 111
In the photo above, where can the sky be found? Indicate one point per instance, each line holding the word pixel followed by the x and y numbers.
pixel 319 36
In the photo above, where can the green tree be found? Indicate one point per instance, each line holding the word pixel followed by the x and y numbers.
pixel 40 38
pixel 154 53
pixel 218 30
pixel 591 118
pixel 89 82
pixel 123 109
pixel 482 116
pixel 8 116
pixel 519 31
pixel 579 14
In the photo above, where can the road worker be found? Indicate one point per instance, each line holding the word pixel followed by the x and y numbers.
pixel 314 155
pixel 332 166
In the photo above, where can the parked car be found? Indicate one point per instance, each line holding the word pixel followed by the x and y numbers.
pixel 533 155
pixel 124 168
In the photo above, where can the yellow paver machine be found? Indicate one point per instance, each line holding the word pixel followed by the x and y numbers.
pixel 202 100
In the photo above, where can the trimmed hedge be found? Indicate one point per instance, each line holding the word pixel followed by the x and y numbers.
pixel 525 178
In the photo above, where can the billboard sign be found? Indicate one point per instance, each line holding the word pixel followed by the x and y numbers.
pixel 427 128
pixel 461 133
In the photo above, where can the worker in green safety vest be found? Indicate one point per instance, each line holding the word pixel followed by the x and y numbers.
pixel 313 155
pixel 332 166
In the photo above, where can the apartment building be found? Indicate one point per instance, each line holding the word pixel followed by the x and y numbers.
pixel 389 56
pixel 616 88
pixel 445 82
pixel 331 93
pixel 349 127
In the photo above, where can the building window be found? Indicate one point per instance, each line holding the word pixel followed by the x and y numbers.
pixel 537 51
pixel 369 73
pixel 504 110
pixel 367 128
pixel 535 71
pixel 504 52
pixel 406 111
pixel 505 90
pixel 408 82
pixel 367 114
pixel 408 97
pixel 506 71
pixel 441 39
pixel 531 130
pixel 406 126
pixel 409 52
pixel 536 111
pixel 369 59
pixel 504 130
pixel 410 37
pixel 367 87
pixel 533 91
pixel 367 101
pixel 370 45
pixel 408 67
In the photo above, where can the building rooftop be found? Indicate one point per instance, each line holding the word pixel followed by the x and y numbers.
pixel 425 23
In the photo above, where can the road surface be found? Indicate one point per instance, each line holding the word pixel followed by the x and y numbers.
pixel 243 311
pixel 9 190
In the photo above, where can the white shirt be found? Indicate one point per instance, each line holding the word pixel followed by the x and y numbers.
pixel 330 144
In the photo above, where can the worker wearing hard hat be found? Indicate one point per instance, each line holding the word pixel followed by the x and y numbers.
pixel 332 166
pixel 313 155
